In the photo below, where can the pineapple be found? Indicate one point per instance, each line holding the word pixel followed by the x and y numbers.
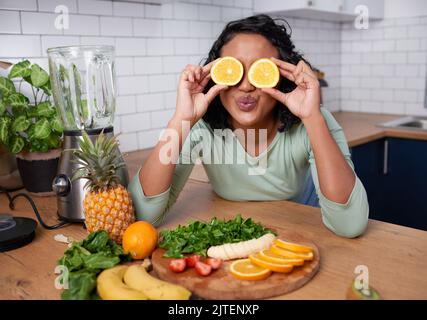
pixel 107 204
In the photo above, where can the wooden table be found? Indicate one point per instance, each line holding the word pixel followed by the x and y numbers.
pixel 395 256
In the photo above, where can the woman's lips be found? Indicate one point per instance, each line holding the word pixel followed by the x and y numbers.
pixel 246 103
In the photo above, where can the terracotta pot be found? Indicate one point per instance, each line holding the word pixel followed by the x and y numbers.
pixel 38 169
pixel 9 174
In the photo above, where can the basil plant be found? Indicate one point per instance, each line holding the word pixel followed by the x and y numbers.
pixel 28 126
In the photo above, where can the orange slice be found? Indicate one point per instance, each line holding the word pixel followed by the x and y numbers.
pixel 267 255
pixel 227 71
pixel 244 269
pixel 291 254
pixel 292 246
pixel 277 267
pixel 264 73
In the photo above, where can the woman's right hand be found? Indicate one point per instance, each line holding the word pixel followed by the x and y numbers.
pixel 191 102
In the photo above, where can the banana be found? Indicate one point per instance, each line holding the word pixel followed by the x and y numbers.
pixel 111 287
pixel 139 279
pixel 241 249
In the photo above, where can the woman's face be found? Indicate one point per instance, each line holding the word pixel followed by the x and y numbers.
pixel 248 106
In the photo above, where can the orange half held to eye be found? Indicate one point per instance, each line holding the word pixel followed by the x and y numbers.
pixel 264 73
pixel 227 71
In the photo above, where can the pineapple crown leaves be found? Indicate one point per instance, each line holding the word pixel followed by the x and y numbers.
pixel 98 162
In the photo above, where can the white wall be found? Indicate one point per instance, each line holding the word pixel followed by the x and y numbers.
pixel 153 44
pixel 405 8
pixel 383 69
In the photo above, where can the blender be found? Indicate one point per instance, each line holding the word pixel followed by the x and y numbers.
pixel 84 91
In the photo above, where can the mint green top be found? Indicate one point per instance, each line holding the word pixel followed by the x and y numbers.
pixel 289 160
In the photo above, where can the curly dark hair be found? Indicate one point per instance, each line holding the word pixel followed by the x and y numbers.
pixel 276 32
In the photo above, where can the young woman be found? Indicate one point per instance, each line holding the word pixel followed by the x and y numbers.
pixel 301 136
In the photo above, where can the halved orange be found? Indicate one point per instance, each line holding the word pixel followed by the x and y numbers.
pixel 291 254
pixel 263 73
pixel 267 255
pixel 244 269
pixel 292 246
pixel 227 71
pixel 277 267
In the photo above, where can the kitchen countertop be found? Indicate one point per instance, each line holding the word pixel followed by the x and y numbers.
pixel 360 128
pixel 394 255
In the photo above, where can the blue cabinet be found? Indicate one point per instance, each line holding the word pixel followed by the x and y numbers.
pixel 394 173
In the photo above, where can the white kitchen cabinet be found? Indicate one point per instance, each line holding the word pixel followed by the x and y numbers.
pixel 330 10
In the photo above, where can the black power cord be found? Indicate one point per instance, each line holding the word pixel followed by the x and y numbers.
pixel 33 205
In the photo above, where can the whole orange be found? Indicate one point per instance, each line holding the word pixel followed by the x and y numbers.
pixel 140 239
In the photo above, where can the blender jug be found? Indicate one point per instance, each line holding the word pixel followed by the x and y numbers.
pixel 84 91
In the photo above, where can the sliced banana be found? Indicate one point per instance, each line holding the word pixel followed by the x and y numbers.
pixel 241 249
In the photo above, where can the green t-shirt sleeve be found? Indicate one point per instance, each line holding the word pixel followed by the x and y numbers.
pixel 349 219
pixel 154 208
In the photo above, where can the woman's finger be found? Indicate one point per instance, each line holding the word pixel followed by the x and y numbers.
pixel 306 68
pixel 283 64
pixel 299 80
pixel 207 68
pixel 205 80
pixel 198 73
pixel 287 74
pixel 191 76
pixel 276 94
pixel 214 91
pixel 185 74
pixel 298 69
pixel 306 81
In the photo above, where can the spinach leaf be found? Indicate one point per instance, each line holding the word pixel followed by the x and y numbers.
pixel 81 284
pixel 100 261
pixel 198 236
pixel 85 260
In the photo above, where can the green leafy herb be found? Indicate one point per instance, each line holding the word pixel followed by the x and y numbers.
pixel 85 260
pixel 198 236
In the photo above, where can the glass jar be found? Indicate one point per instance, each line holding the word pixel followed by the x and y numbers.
pixel 83 85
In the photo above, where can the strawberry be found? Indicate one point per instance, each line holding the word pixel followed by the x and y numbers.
pixel 202 268
pixel 191 260
pixel 214 263
pixel 177 265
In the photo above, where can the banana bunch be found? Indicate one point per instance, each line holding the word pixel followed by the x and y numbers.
pixel 135 283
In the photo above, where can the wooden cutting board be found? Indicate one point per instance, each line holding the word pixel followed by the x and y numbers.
pixel 220 284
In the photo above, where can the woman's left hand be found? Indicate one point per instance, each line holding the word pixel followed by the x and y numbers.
pixel 304 100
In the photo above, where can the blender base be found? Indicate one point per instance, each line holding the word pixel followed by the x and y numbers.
pixel 71 220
